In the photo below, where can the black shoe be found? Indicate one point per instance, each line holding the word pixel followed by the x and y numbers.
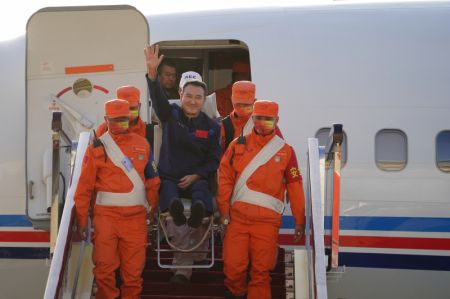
pixel 229 295
pixel 176 210
pixel 197 214
pixel 179 279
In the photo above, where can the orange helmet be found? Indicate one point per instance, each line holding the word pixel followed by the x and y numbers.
pixel 243 92
pixel 265 108
pixel 117 108
pixel 130 94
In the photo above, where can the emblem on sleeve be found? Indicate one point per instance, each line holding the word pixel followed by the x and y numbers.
pixel 294 172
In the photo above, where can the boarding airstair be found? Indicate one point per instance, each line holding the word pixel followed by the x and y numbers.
pixel 299 273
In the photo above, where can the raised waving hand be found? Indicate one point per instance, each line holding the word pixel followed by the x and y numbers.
pixel 152 60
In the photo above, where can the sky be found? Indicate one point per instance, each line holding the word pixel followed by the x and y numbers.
pixel 14 16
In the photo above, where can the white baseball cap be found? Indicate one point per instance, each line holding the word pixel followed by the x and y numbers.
pixel 191 76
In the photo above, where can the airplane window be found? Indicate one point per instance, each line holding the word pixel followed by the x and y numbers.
pixel 82 87
pixel 443 151
pixel 322 136
pixel 391 149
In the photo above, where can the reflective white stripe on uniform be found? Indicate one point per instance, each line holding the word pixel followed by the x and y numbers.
pixel 137 195
pixel 248 126
pixel 242 193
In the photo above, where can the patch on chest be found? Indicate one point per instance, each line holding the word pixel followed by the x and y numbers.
pixel 138 149
pixel 277 158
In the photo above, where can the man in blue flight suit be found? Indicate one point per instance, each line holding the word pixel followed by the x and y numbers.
pixel 190 149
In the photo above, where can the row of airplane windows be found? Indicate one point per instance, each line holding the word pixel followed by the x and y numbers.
pixel 391 149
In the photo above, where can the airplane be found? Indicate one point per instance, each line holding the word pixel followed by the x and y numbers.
pixel 380 69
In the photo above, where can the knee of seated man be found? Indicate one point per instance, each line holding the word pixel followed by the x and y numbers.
pixel 201 184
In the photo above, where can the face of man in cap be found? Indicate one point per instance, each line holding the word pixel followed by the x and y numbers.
pixel 243 109
pixel 264 125
pixel 265 117
pixel 192 99
pixel 134 114
pixel 118 125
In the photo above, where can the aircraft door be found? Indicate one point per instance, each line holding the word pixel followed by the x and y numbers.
pixel 76 58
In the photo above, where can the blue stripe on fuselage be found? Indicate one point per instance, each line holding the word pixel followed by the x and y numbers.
pixel 14 221
pixel 24 252
pixel 394 261
pixel 408 224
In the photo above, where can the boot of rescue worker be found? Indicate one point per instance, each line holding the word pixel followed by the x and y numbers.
pixel 229 295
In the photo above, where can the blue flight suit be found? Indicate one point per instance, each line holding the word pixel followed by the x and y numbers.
pixel 189 146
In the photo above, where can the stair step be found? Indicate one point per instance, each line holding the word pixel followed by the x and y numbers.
pixel 217 252
pixel 201 277
pixel 151 263
pixel 179 297
pixel 204 284
pixel 211 289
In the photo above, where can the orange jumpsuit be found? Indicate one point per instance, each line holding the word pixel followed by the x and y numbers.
pixel 238 124
pixel 139 128
pixel 120 232
pixel 253 230
pixel 223 100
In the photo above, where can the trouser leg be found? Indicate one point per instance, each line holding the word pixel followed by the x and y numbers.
pixel 132 247
pixel 179 237
pixel 235 257
pixel 196 236
pixel 200 192
pixel 105 256
pixel 168 191
pixel 263 250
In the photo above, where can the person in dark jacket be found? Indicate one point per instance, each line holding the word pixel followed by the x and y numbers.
pixel 190 149
pixel 189 155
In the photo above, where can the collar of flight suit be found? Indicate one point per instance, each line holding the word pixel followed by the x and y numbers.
pixel 261 140
pixel 195 121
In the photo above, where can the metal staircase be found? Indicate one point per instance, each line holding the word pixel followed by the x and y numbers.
pixel 204 284
pixel 301 273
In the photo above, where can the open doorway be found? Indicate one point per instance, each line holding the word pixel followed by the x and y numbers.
pixel 219 62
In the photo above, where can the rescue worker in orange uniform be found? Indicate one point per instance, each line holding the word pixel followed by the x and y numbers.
pixel 133 96
pixel 254 174
pixel 239 122
pixel 117 168
pixel 240 72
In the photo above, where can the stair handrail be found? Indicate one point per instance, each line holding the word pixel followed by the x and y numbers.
pixel 317 221
pixel 65 233
pixel 333 162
